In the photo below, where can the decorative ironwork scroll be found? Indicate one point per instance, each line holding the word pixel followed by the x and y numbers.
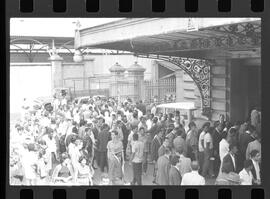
pixel 228 37
pixel 199 71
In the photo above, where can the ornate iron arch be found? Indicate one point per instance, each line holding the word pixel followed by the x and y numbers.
pixel 198 70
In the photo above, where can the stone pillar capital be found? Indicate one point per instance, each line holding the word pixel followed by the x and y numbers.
pixel 55 57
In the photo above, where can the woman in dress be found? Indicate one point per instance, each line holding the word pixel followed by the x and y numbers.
pixel 63 173
pixel 85 173
pixel 75 154
pixel 29 163
pixel 115 157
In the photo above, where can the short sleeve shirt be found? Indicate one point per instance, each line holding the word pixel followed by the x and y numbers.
pixel 208 139
pixel 137 148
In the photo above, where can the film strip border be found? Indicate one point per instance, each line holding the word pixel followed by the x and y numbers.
pixel 175 192
pixel 60 6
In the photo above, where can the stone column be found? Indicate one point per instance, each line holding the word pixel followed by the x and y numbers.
pixel 117 74
pixel 88 70
pixel 179 85
pixel 56 71
pixel 220 88
pixel 136 77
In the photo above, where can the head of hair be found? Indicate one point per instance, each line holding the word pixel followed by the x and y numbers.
pixel 31 147
pixel 191 124
pixel 206 124
pixel 135 114
pixel 105 127
pixel 74 130
pixel 63 157
pixel 73 138
pixel 231 146
pixel 178 131
pixel 170 116
pixel 102 119
pixel 216 123
pixel 41 153
pixel 135 136
pixel 155 119
pixel 167 150
pixel 232 131
pixel 115 132
pixel 174 160
pixel 253 153
pixel 141 128
pixel 180 150
pixel 194 166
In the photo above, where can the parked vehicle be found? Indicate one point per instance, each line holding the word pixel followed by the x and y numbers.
pixel 186 109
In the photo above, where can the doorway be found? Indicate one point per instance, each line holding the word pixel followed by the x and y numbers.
pixel 245 89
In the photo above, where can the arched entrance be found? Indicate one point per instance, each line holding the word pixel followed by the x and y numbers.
pixel 198 70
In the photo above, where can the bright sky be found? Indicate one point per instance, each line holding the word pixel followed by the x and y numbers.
pixel 58 27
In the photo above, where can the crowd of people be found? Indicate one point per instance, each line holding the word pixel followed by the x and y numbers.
pixel 66 143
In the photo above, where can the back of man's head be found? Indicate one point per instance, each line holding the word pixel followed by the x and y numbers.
pixel 194 166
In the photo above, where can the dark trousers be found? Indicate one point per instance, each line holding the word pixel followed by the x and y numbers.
pixel 207 163
pixel 200 160
pixel 102 160
pixel 216 164
pixel 145 162
pixel 137 173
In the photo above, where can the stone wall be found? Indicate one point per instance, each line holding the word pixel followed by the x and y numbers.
pixel 220 89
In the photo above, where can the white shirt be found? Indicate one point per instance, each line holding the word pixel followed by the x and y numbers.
pixel 201 137
pixel 130 137
pixel 137 148
pixel 245 177
pixel 193 178
pixel 233 160
pixel 257 169
pixel 149 124
pixel 208 139
pixel 223 149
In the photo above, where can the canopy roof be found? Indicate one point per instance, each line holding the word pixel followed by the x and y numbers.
pixel 181 37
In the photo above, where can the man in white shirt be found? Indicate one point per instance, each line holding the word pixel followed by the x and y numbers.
pixel 223 149
pixel 193 177
pixel 205 127
pixel 208 154
pixel 149 122
pixel 246 175
pixel 137 149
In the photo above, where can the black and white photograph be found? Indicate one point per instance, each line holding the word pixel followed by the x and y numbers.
pixel 135 101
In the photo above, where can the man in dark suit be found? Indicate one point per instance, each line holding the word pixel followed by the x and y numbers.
pixel 103 139
pixel 217 137
pixel 255 156
pixel 230 159
pixel 244 139
pixel 165 144
pixel 155 145
pixel 174 173
pixel 163 168
pixel 155 128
